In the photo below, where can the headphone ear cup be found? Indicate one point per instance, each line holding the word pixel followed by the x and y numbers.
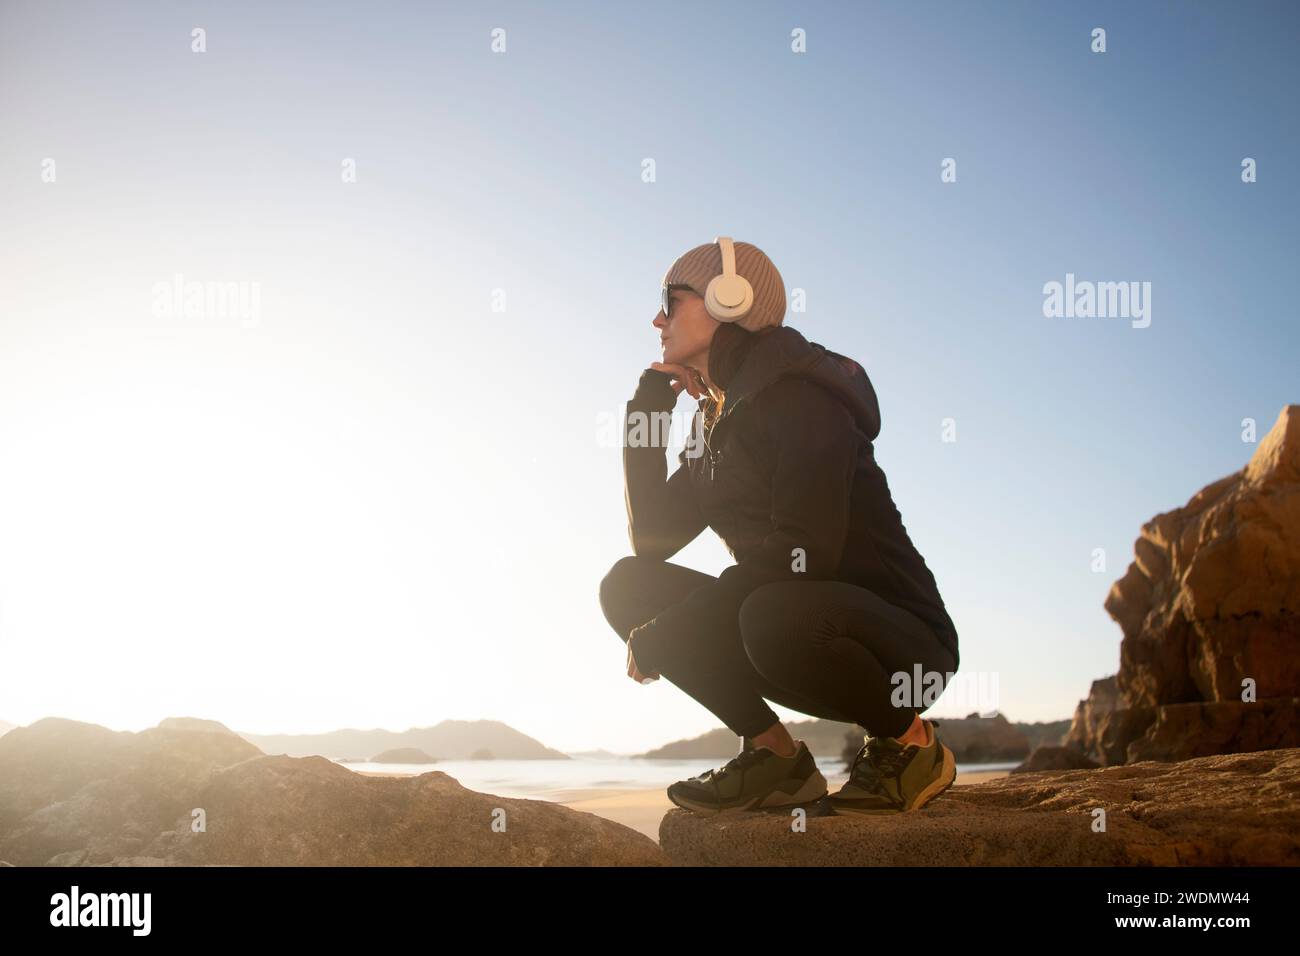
pixel 728 297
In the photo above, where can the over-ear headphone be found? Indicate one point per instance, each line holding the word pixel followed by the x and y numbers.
pixel 728 296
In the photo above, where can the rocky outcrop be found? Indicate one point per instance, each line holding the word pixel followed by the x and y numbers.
pixel 1210 613
pixel 1048 733
pixel 1051 757
pixel 1180 731
pixel 71 787
pixel 976 739
pixel 73 793
pixel 1226 810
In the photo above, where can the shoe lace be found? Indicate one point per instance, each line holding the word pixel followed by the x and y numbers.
pixel 746 758
pixel 876 760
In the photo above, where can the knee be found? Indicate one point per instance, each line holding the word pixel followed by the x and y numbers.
pixel 617 578
pixel 615 588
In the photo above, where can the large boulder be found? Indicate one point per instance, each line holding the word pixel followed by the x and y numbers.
pixel 1210 614
pixel 193 793
pixel 1226 810
pixel 310 811
pixel 72 787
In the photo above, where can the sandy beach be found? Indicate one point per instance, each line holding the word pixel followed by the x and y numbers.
pixel 642 810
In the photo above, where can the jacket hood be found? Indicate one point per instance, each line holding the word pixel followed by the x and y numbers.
pixel 785 353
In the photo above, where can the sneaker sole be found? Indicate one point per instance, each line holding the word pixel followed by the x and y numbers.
pixel 947 776
pixel 811 791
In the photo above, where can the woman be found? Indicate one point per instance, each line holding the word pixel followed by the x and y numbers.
pixel 830 610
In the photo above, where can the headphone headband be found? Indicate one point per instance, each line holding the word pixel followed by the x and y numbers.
pixel 728 255
pixel 729 296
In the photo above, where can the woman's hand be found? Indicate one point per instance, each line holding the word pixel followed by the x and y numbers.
pixel 683 377
pixel 632 670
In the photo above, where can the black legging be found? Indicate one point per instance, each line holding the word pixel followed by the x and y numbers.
pixel 823 648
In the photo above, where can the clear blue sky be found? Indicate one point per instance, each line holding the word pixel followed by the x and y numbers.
pixel 385 504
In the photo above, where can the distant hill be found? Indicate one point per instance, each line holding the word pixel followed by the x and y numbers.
pixel 448 740
pixel 972 739
pixel 823 737
pixel 5 727
pixel 196 724
pixel 403 755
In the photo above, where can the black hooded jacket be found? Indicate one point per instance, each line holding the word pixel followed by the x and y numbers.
pixel 789 464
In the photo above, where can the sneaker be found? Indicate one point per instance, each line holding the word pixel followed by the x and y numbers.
pixel 754 779
pixel 889 777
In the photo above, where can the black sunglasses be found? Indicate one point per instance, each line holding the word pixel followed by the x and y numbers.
pixel 666 296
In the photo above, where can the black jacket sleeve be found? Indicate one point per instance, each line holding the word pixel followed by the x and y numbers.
pixel 662 516
pixel 816 449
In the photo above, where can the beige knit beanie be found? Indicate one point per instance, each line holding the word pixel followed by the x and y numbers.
pixel 696 267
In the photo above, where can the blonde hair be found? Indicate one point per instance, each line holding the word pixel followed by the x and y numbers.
pixel 713 407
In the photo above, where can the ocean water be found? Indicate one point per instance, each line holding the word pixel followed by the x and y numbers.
pixel 540 779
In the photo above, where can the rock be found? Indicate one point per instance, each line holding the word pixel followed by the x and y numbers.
pixel 309 811
pixel 1085 728
pixel 76 794
pixel 73 787
pixel 976 739
pixel 1180 731
pixel 1209 605
pixel 1197 730
pixel 1050 757
pixel 1047 733
pixel 1225 810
